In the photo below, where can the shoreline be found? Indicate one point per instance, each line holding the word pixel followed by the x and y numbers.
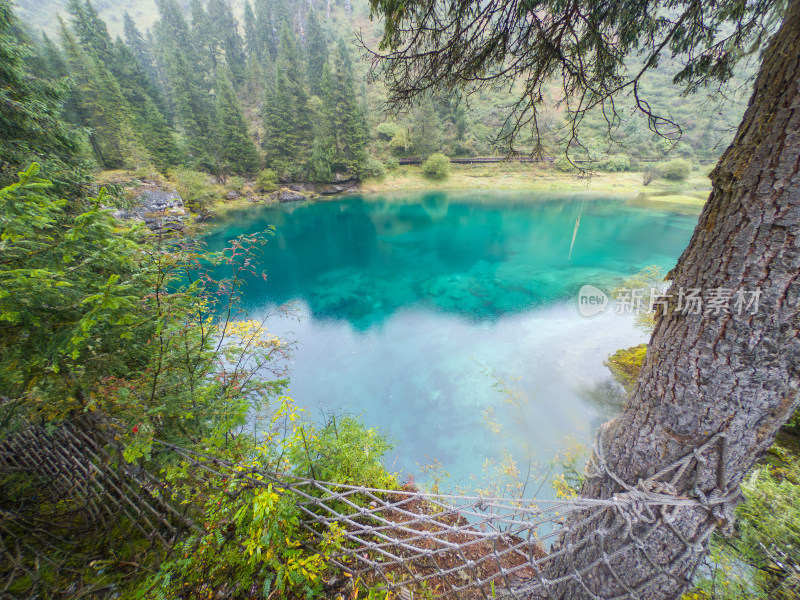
pixel 509 177
pixel 690 194
pixel 519 177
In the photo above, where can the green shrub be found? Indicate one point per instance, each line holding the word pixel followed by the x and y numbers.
pixel 373 168
pixel 293 171
pixel 342 450
pixel 392 163
pixel 236 183
pixel 253 538
pixel 563 165
pixel 386 131
pixel 677 169
pixel 684 150
pixel 617 163
pixel 437 166
pixel 761 559
pixel 196 188
pixel 267 181
pixel 400 143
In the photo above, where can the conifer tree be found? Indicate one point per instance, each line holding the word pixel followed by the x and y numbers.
pixel 224 31
pixel 133 79
pixel 188 84
pixel 157 135
pixel 126 124
pixel 204 40
pixel 287 116
pixel 252 46
pixel 321 160
pixel 145 101
pixel 172 22
pixel 271 142
pixel 235 151
pixel 140 49
pixel 91 30
pixel 103 108
pixel 31 121
pixel 317 52
pixel 266 27
pixel 348 122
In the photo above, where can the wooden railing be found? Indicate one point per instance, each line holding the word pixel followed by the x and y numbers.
pixel 499 159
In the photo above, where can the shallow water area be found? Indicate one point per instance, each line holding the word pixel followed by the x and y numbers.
pixel 416 308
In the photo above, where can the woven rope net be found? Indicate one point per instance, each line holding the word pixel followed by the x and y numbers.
pixel 414 544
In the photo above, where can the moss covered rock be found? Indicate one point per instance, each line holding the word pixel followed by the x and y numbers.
pixel 626 364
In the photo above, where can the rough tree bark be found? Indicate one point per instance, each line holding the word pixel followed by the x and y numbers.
pixel 706 374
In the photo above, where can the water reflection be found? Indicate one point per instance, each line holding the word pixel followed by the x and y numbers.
pixel 412 302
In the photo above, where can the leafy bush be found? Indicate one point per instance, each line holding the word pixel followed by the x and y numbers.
pixel 253 538
pixel 563 165
pixel 677 169
pixel 617 163
pixel 236 183
pixel 267 181
pixel 392 163
pixel 196 188
pixel 761 560
pixel 400 144
pixel 386 131
pixel 293 171
pixel 342 451
pixel 374 168
pixel 437 166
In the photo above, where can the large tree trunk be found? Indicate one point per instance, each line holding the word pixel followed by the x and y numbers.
pixel 729 378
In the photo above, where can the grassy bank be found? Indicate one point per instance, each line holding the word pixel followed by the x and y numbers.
pixel 690 193
pixel 524 177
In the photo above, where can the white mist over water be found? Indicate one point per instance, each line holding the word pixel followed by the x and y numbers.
pixel 425 379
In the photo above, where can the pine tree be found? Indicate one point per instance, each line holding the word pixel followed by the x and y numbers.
pixel 252 46
pixel 173 23
pixel 235 151
pixel 320 163
pixel 317 52
pixel 189 85
pixel 287 116
pixel 146 103
pixel 31 122
pixel 120 102
pixel 158 137
pixel 271 141
pixel 103 108
pixel 266 28
pixel 90 29
pixel 225 33
pixel 348 122
pixel 140 49
pixel 204 39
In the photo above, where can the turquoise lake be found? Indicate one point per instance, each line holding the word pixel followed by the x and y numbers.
pixel 414 307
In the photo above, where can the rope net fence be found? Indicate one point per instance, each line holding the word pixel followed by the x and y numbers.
pixel 414 544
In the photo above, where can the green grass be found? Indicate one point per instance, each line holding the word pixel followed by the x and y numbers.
pixel 519 176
